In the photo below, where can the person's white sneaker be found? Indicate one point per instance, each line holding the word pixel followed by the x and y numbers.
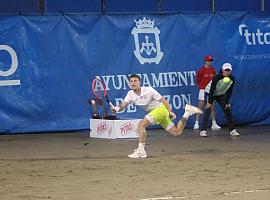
pixel 234 132
pixel 203 133
pixel 192 109
pixel 138 154
pixel 215 126
pixel 196 126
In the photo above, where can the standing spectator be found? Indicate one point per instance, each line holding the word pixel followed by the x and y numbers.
pixel 221 91
pixel 203 77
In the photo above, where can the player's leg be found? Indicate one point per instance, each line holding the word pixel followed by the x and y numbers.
pixel 228 115
pixel 200 106
pixel 140 151
pixel 206 114
pixel 154 117
pixel 214 126
pixel 141 129
pixel 178 129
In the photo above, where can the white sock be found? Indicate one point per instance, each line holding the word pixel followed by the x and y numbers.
pixel 186 114
pixel 214 122
pixel 196 122
pixel 141 146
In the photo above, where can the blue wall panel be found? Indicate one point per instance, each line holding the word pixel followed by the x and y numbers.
pixel 71 6
pixel 266 5
pixel 80 6
pixel 131 6
pixel 186 5
pixel 237 5
pixel 15 6
pixel 47 64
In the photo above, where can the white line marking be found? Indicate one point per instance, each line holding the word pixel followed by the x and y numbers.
pixel 213 194
pixel 10 82
pixel 159 198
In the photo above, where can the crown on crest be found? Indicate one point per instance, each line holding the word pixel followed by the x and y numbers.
pixel 144 23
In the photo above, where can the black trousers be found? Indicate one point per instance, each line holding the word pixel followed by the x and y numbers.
pixel 227 112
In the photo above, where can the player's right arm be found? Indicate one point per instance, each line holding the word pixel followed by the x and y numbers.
pixel 120 107
pixel 228 93
pixel 123 105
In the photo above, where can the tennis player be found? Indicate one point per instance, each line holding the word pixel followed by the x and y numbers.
pixel 159 112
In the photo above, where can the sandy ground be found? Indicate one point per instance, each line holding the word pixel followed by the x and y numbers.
pixel 72 166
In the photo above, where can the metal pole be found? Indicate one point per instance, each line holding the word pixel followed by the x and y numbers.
pixel 262 5
pixel 102 6
pixel 159 2
pixel 213 5
pixel 41 6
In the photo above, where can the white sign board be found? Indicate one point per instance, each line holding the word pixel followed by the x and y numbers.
pixel 112 129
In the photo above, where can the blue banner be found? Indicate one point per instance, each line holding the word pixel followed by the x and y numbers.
pixel 47 64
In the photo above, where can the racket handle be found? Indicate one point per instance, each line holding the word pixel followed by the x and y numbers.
pixel 111 105
pixel 116 108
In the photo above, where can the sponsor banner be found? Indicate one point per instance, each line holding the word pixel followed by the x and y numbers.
pixel 102 129
pixel 112 129
pixel 47 64
pixel 126 128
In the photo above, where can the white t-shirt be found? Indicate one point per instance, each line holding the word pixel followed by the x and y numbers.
pixel 148 99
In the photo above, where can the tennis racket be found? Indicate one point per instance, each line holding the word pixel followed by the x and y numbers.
pixel 99 90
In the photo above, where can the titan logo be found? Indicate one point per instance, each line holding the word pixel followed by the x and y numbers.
pixel 254 38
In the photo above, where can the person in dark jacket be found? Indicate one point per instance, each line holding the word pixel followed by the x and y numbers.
pixel 220 90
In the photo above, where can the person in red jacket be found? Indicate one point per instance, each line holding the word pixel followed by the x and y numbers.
pixel 203 77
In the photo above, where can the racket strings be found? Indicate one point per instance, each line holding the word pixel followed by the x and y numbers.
pixel 98 89
pixel 99 94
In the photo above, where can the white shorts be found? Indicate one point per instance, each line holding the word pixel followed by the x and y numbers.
pixel 201 94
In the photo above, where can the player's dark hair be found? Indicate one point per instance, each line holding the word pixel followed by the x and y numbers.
pixel 134 76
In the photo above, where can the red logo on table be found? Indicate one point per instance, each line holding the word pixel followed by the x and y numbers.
pixel 127 128
pixel 103 128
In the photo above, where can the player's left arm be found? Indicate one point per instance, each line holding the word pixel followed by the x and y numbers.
pixel 166 104
pixel 229 91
